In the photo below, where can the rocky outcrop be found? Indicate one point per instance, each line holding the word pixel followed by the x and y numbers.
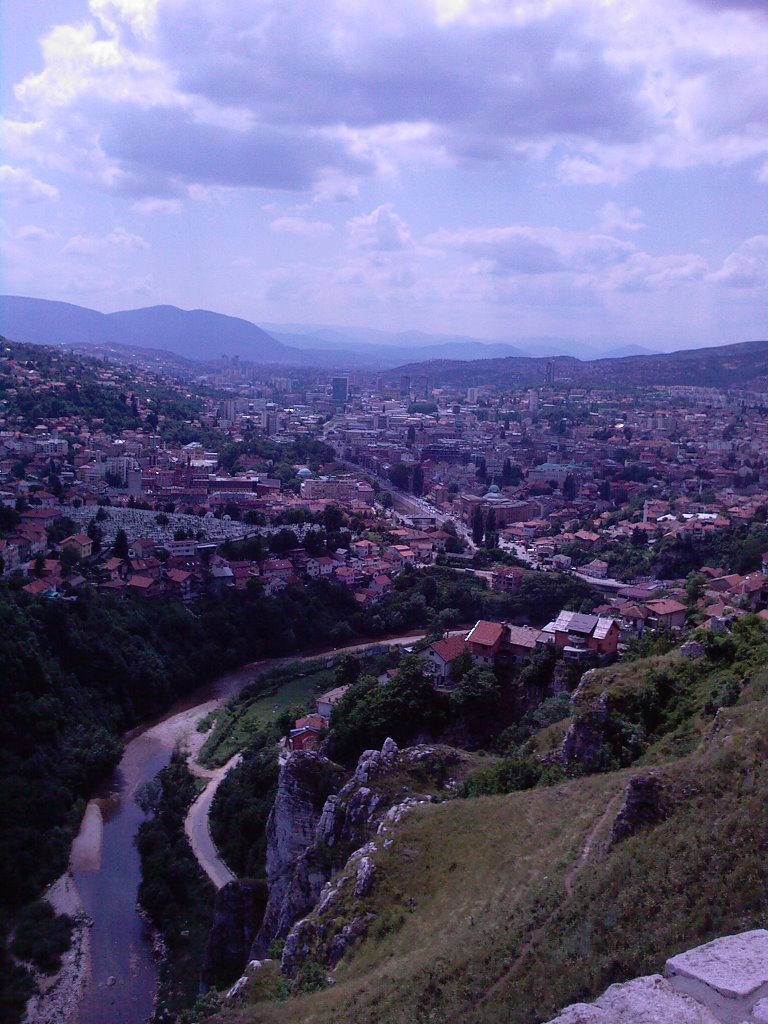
pixel 295 875
pixel 721 982
pixel 333 849
pixel 585 742
pixel 647 801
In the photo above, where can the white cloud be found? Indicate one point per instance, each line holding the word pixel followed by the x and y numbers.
pixel 34 233
pixel 614 218
pixel 381 230
pixel 158 93
pixel 19 186
pixel 300 227
pixel 147 207
pixel 116 241
pixel 746 267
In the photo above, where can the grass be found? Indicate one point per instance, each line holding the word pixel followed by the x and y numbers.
pixel 473 923
pixel 463 884
pixel 485 910
pixel 273 693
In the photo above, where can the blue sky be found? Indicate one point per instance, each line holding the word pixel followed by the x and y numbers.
pixel 588 169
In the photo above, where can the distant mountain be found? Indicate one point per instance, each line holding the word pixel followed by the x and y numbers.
pixel 627 350
pixel 203 335
pixel 194 334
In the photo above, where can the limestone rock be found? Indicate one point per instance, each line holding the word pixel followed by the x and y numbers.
pixel 729 975
pixel 306 779
pixel 586 737
pixel 650 1000
pixel 647 801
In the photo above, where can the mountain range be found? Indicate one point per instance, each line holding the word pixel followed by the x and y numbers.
pixel 204 335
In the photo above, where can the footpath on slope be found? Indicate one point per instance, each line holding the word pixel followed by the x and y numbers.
pixel 584 854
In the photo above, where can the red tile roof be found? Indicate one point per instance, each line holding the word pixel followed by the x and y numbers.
pixel 485 633
pixel 449 648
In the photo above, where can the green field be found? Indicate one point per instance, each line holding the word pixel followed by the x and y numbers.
pixel 292 687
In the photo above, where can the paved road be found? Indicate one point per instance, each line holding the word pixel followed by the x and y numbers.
pixel 197 824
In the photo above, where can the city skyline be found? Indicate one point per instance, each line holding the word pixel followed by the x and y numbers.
pixel 583 170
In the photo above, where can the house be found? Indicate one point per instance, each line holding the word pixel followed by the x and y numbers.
pixel 180 584
pixel 520 642
pixel 325 704
pixel 506 578
pixel 440 656
pixel 597 569
pixel 581 635
pixel 79 543
pixel 43 588
pixel 484 641
pixel 665 613
pixel 632 619
pixel 347 575
pixel 145 587
pixel 308 732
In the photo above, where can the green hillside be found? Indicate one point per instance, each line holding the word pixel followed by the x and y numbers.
pixel 507 908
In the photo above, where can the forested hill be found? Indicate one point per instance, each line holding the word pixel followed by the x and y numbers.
pixel 724 365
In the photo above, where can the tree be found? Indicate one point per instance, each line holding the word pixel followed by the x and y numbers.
pixel 491 537
pixel 399 475
pixel 418 480
pixel 569 487
pixel 94 532
pixel 478 525
pixel 120 547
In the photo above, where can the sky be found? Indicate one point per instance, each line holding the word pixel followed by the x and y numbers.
pixel 593 170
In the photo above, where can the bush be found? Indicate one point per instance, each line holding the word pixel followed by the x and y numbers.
pixel 42 936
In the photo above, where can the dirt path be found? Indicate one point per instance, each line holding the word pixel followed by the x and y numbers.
pixel 589 842
pixel 538 933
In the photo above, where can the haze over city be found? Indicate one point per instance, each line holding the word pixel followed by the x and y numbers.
pixel 584 170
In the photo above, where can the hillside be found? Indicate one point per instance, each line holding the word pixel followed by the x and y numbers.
pixel 506 908
pixel 719 366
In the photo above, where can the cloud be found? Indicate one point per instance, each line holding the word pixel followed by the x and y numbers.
pixel 116 241
pixel 529 251
pixel 382 230
pixel 19 186
pixel 746 267
pixel 34 233
pixel 147 207
pixel 149 97
pixel 300 227
pixel 613 218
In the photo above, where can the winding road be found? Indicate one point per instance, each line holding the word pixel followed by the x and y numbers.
pixel 183 728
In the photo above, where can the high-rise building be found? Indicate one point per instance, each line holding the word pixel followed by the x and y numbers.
pixel 340 389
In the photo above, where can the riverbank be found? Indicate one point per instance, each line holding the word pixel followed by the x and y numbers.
pixel 60 993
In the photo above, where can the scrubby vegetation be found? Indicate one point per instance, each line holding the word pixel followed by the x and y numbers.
pixel 174 891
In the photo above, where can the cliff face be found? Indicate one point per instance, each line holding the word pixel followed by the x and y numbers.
pixel 294 877
pixel 309 843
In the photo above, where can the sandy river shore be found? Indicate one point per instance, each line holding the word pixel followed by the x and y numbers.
pixel 60 993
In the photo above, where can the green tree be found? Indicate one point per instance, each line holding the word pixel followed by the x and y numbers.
pixel 120 547
pixel 478 525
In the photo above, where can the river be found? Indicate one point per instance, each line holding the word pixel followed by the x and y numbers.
pixel 124 973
